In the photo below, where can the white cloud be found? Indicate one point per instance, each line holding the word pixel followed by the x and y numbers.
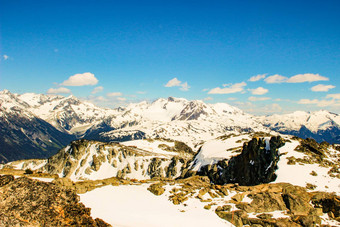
pixel 307 77
pixel 173 83
pixel 235 88
pixel 272 108
pixel 319 103
pixel 208 99
pixel 232 98
pixel 97 89
pixel 254 99
pixel 81 80
pixel 96 99
pixel 114 94
pixel 282 100
pixel 141 92
pixel 177 83
pixel 257 77
pixel 121 99
pixel 185 86
pixel 100 98
pixel 61 90
pixel 259 91
pixel 5 57
pixel 333 96
pixel 275 79
pixel 322 87
pixel 308 101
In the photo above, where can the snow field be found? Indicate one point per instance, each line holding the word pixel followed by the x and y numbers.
pixel 301 174
pixel 131 205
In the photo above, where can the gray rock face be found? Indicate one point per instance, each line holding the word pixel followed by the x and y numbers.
pixel 255 165
pixel 27 138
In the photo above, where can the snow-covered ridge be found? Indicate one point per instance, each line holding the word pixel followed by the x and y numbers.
pixel 176 118
pixel 192 122
pixel 314 121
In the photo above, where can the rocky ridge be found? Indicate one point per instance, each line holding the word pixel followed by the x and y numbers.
pixel 85 159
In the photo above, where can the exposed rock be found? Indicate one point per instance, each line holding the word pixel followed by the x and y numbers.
pixel 157 188
pixel 95 163
pixel 255 165
pixel 297 200
pixel 154 168
pixel 61 162
pixel 330 203
pixel 5 179
pixel 26 202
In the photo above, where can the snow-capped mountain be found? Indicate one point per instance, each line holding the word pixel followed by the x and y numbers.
pixel 23 134
pixel 319 125
pixel 192 122
pixel 177 118
pixel 67 114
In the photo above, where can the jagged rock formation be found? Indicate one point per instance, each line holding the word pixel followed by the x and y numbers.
pixel 84 159
pixel 255 165
pixel 26 202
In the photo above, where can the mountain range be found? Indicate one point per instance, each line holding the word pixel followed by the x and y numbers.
pixel 38 125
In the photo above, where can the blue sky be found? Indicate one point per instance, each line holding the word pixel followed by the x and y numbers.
pixel 116 52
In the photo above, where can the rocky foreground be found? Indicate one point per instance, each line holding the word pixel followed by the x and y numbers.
pixel 247 180
pixel 27 202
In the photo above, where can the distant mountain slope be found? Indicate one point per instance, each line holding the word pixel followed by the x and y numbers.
pixel 319 125
pixel 23 135
pixel 192 122
pixel 67 114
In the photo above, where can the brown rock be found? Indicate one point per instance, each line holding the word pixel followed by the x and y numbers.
pixel 157 189
pixel 5 179
pixel 26 202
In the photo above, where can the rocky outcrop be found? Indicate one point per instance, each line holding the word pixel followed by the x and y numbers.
pixel 255 165
pixel 83 158
pixel 26 202
pixel 157 189
pixel 301 208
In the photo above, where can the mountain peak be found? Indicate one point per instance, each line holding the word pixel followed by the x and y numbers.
pixel 5 91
